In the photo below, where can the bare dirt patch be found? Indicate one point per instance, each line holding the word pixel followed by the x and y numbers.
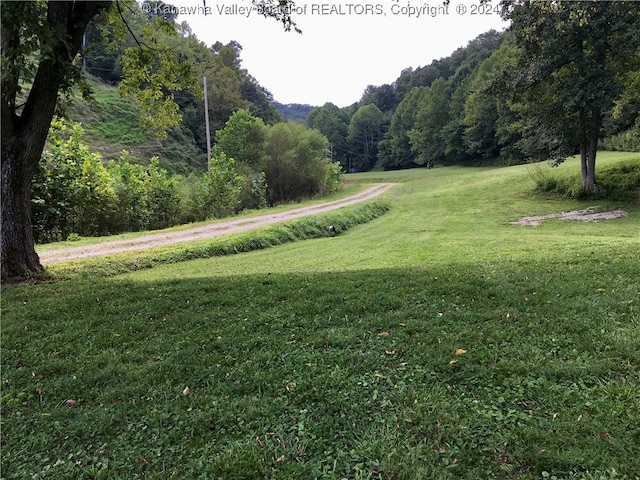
pixel 585 215
pixel 207 231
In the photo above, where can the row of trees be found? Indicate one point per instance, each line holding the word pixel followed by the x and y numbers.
pixel 252 166
pixel 561 78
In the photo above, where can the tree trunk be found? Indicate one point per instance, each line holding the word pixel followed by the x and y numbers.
pixel 18 253
pixel 594 134
pixel 584 162
pixel 24 135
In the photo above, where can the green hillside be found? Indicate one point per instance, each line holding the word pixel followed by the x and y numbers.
pixel 112 124
pixel 437 341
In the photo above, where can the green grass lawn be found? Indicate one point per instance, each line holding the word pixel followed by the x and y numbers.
pixel 436 341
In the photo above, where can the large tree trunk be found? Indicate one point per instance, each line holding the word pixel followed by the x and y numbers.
pixel 24 135
pixel 18 253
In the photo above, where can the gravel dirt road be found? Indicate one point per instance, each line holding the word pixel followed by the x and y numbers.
pixel 207 231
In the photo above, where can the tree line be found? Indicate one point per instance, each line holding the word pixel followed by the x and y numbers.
pixel 562 80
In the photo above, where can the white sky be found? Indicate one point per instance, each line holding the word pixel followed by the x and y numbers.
pixel 344 46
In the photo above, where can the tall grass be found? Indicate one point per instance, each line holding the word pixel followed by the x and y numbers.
pixel 619 181
pixel 436 341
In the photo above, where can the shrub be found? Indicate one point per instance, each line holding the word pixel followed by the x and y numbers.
pixel 72 191
pixel 219 190
pixel 628 141
pixel 148 197
pixel 253 193
pixel 295 164
pixel 162 196
pixel 132 211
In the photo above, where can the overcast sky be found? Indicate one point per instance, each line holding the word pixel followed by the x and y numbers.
pixel 343 46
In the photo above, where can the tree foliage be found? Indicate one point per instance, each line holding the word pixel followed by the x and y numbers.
pixel 366 128
pixel 219 191
pixel 333 123
pixel 242 138
pixel 572 58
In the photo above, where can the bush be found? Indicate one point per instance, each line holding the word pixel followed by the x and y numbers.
pixel 628 141
pixel 253 193
pixel 219 190
pixel 132 211
pixel 162 196
pixel 147 197
pixel 72 191
pixel 295 164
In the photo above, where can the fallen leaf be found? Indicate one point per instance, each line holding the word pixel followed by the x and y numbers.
pixel 453 361
pixel 384 334
pixel 604 435
pixel 186 391
pixel 280 459
pixel 71 402
pixel 390 352
pixel 556 415
pixel 460 351
pixel 309 364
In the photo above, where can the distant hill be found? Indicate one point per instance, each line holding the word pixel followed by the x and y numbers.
pixel 294 111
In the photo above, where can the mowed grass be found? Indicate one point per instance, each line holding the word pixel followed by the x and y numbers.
pixel 436 341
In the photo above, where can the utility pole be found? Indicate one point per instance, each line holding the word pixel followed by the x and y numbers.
pixel 84 51
pixel 206 121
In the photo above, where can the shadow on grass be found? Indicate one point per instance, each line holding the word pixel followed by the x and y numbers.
pixel 471 371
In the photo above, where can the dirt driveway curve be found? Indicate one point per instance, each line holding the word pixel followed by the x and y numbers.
pixel 207 231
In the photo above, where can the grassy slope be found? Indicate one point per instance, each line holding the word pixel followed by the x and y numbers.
pixel 437 341
pixel 112 124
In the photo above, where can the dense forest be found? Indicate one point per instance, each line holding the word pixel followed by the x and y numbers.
pixel 474 108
